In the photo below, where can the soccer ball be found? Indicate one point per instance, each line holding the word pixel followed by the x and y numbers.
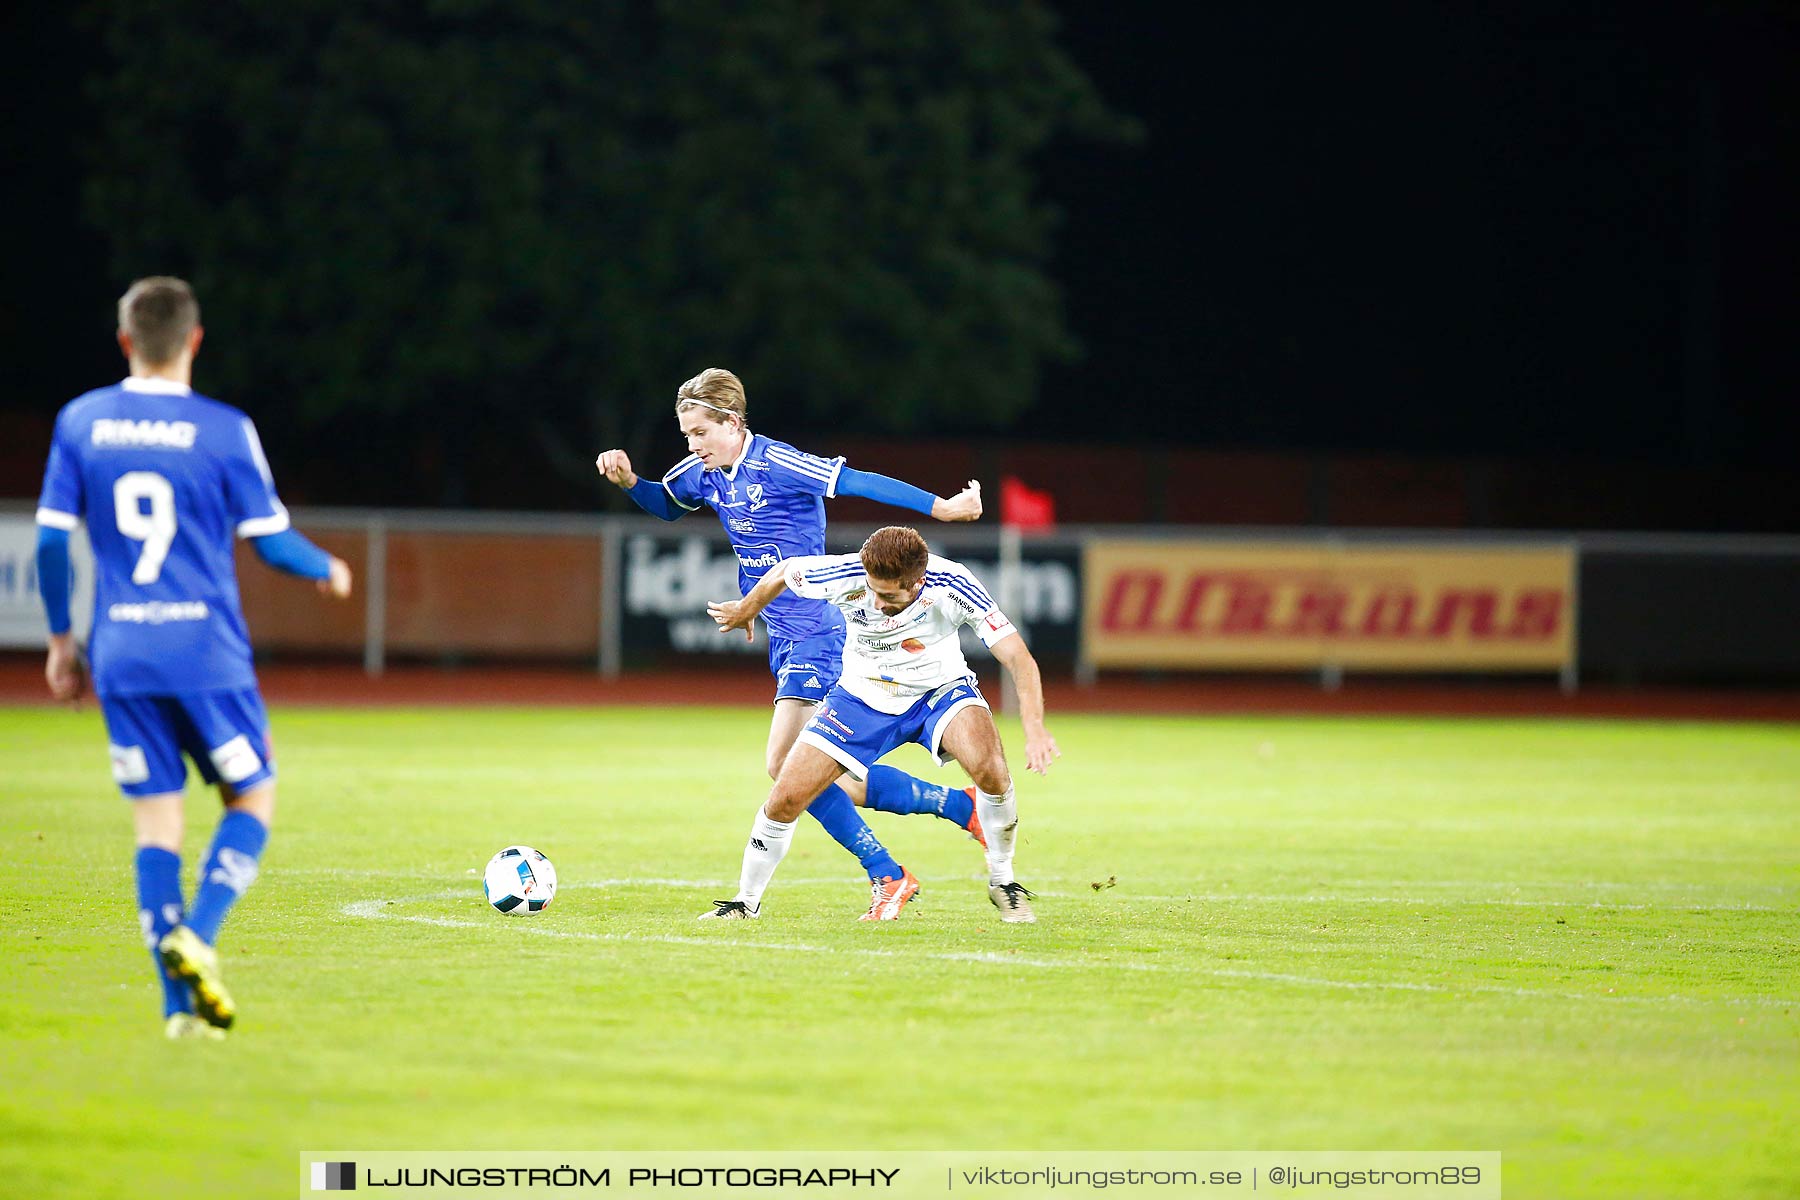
pixel 519 881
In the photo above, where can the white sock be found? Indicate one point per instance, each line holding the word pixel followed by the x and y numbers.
pixel 1000 822
pixel 767 846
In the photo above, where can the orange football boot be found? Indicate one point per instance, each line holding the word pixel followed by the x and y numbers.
pixel 887 896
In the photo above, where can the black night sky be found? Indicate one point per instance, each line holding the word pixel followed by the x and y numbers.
pixel 1538 229
pixel 1542 230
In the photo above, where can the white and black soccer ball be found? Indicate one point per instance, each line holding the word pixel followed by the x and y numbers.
pixel 519 881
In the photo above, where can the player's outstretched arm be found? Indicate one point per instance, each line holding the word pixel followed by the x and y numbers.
pixel 653 498
pixel 741 614
pixel 339 583
pixel 1040 748
pixel 289 550
pixel 964 506
pixel 616 466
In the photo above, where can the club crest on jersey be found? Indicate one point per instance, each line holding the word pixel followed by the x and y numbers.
pixel 755 492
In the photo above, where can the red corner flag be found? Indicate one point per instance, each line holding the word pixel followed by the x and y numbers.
pixel 1024 507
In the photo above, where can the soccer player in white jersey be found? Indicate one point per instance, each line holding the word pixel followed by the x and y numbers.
pixel 165 478
pixel 770 498
pixel 904 680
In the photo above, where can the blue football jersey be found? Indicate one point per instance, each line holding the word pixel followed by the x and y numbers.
pixel 772 504
pixel 165 479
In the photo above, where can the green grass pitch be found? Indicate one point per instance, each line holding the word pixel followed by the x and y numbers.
pixel 1575 943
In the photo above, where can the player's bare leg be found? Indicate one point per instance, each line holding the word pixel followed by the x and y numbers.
pixel 834 810
pixel 974 742
pixel 805 773
pixel 157 821
pixel 259 802
pixel 789 718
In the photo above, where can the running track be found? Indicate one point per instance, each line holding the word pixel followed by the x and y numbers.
pixel 21 682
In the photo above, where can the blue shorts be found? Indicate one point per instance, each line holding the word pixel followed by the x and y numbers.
pixel 807 668
pixel 225 733
pixel 858 736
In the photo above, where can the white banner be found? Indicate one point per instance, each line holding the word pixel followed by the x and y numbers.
pixel 22 622
pixel 921 1174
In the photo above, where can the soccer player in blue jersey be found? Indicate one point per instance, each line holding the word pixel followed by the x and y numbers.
pixel 771 499
pixel 165 478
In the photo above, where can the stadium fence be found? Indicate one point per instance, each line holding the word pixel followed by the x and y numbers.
pixel 623 592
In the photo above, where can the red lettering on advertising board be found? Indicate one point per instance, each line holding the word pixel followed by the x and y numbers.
pixel 1243 610
pixel 1538 615
pixel 1390 614
pixel 1131 601
pixel 1187 617
pixel 1303 605
pixel 1319 612
pixel 1247 607
pixel 1452 601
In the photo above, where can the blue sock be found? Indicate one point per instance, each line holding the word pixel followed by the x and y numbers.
pixel 230 868
pixel 892 790
pixel 159 910
pixel 837 813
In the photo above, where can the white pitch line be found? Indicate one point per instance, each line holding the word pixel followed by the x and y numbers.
pixel 1214 897
pixel 1642 885
pixel 1238 897
pixel 1124 894
pixel 630 881
pixel 376 909
pixel 373 909
pixel 1252 898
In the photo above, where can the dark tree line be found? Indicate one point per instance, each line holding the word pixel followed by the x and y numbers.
pixel 422 230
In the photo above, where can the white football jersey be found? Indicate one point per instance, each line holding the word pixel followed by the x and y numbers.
pixel 889 662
